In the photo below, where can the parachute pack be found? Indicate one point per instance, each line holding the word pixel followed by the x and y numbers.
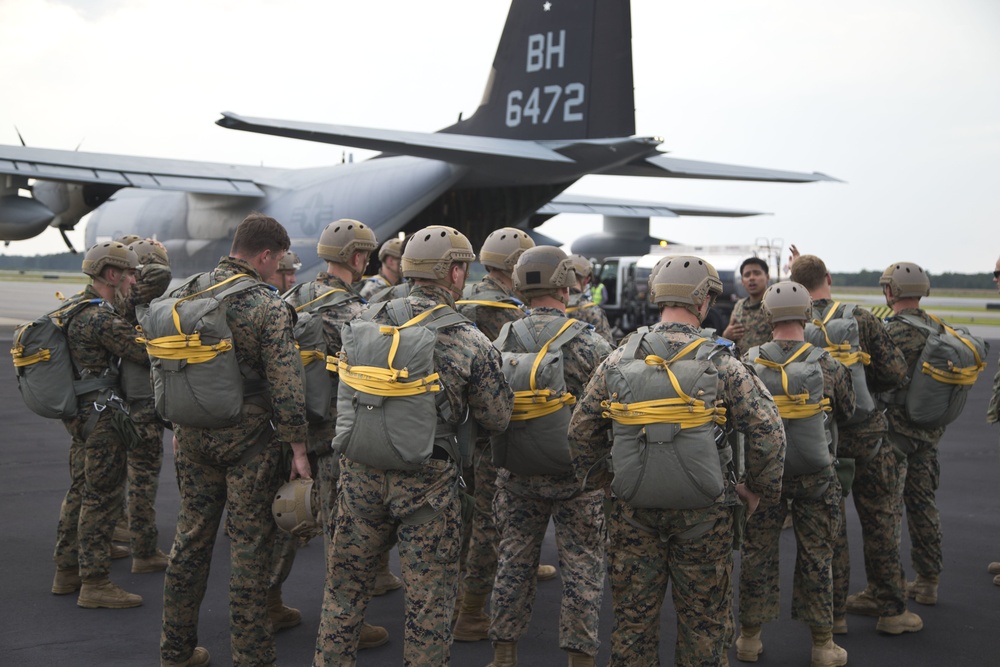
pixel 46 376
pixel 795 380
pixel 947 368
pixel 391 410
pixel 536 442
pixel 197 379
pixel 487 299
pixel 837 333
pixel 669 450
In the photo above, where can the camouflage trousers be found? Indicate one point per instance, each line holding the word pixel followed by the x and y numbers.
pixel 693 551
pixel 815 508
pixel 144 462
pixel 94 499
pixel 245 490
pixel 876 481
pixel 479 565
pixel 920 476
pixel 422 508
pixel 580 538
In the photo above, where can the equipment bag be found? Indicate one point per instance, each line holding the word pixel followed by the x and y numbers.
pixel 947 368
pixel 46 377
pixel 491 298
pixel 837 333
pixel 536 442
pixel 197 379
pixel 795 380
pixel 669 451
pixel 387 415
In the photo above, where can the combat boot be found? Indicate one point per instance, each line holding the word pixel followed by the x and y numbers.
pixel 372 636
pixel 577 659
pixel 156 563
pixel 118 551
pixel 66 581
pixel 472 624
pixel 105 594
pixel 278 615
pixel 545 572
pixel 863 603
pixel 897 625
pixel 121 533
pixel 923 589
pixel 386 581
pixel 994 568
pixel 199 658
pixel 828 655
pixel 749 646
pixel 840 625
pixel 504 655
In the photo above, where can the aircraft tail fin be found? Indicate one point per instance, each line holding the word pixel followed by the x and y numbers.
pixel 563 70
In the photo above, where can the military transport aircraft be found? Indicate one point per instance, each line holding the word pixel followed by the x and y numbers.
pixel 558 105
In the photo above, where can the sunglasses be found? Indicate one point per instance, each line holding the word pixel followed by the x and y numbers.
pixel 996 275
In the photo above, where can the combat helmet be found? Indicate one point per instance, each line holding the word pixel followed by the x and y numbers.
pixel 290 262
pixel 109 253
pixel 906 279
pixel 128 239
pixel 149 252
pixel 543 270
pixel 582 266
pixel 429 253
pixel 502 248
pixel 391 248
pixel 685 281
pixel 342 238
pixel 295 509
pixel 787 301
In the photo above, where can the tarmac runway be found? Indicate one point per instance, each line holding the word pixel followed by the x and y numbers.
pixel 38 628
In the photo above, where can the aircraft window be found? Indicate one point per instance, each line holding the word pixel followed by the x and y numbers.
pixel 609 276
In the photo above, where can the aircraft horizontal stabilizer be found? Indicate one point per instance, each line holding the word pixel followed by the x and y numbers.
pixel 670 167
pixel 630 208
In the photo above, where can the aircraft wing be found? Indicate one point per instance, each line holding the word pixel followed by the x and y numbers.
pixel 630 208
pixel 124 171
pixel 670 167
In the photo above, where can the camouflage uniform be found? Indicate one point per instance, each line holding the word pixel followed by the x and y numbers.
pixel 993 411
pixel 235 469
pixel 145 456
pixel 523 506
pixel 421 505
pixel 752 317
pixel 875 478
pixel 693 548
pixel 479 563
pixel 582 308
pixel 916 448
pixel 814 501
pixel 97 336
pixel 371 286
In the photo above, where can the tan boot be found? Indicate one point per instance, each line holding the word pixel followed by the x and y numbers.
pixel 749 646
pixel 996 580
pixel 385 580
pixel 156 563
pixel 199 658
pixel 472 624
pixel 372 636
pixel 66 581
pixel 923 589
pixel 897 625
pixel 862 603
pixel 577 659
pixel 121 533
pixel 118 551
pixel 828 655
pixel 104 594
pixel 546 572
pixel 280 616
pixel 504 654
pixel 840 625
pixel 994 568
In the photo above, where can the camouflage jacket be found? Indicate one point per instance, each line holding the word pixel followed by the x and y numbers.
pixel 99 335
pixel 581 356
pixel 751 410
pixel 910 341
pixel 993 411
pixel 582 308
pixel 369 287
pixel 467 363
pixel 751 316
pixel 488 319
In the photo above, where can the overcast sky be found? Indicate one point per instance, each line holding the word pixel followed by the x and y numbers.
pixel 899 98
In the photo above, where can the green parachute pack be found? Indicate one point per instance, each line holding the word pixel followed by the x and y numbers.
pixel 836 331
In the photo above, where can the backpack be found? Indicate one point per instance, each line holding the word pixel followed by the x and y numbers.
pixel 46 376
pixel 795 380
pixel 491 298
pixel 197 380
pixel 947 368
pixel 536 442
pixel 669 451
pixel 838 335
pixel 391 408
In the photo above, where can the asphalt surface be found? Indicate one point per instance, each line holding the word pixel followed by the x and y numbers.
pixel 38 628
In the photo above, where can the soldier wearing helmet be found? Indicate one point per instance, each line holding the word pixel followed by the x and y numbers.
pixel 581 306
pixel 389 256
pixel 525 503
pixel 420 505
pixel 653 541
pixel 810 490
pixel 284 277
pixel 874 479
pixel 98 337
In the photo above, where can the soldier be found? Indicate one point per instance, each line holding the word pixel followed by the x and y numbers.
pixel 993 416
pixel 530 495
pixel 418 497
pixel 235 468
pixel 580 305
pixel 875 476
pixel 388 273
pixel 671 528
pixel 748 327
pixel 97 336
pixel 284 278
pixel 810 489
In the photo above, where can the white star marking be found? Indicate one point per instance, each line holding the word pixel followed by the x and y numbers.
pixel 547 6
